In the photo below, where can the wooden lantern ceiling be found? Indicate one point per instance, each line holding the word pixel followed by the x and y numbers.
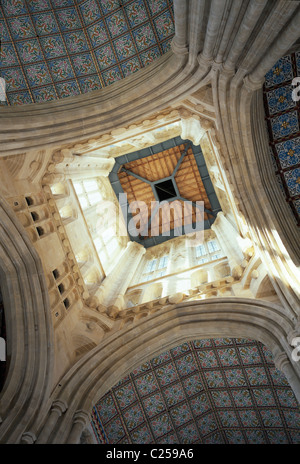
pixel 170 176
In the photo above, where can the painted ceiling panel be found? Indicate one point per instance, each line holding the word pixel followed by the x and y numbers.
pixel 53 49
pixel 207 391
pixel 283 123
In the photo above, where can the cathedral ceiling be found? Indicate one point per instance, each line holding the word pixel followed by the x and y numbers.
pixel 173 174
pixel 283 122
pixel 52 49
pixel 206 391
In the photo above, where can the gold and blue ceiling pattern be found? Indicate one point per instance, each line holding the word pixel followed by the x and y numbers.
pixel 215 391
pixel 52 49
pixel 283 122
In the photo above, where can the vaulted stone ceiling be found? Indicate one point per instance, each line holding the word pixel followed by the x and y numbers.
pixel 52 49
pixel 283 123
pixel 207 391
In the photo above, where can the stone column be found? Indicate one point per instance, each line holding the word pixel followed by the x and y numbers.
pixel 112 291
pixel 179 43
pixel 80 421
pixel 283 363
pixel 283 42
pixel 233 245
pixel 57 409
pixel 249 21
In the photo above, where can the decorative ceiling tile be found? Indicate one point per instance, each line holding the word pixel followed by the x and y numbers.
pixel 228 356
pixel 136 13
pixel 285 125
pixel 45 23
pixel 150 55
pixel 125 395
pixel 168 439
pixel 111 75
pixel 174 394
pixel 188 409
pixel 30 51
pixel 280 99
pixel 154 405
pixel 62 3
pixel 116 24
pixel 277 437
pixel 235 437
pixel 76 42
pixel 166 374
pixel 255 437
pixel 298 63
pixel 161 425
pixel 242 398
pixel 164 25
pixel 141 435
pixel 146 384
pixel 207 424
pixel 8 56
pixel 207 358
pixel 115 39
pixel 250 355
pixel 124 47
pixel 264 396
pixel 89 83
pixel 283 119
pixel 200 404
pixel 38 5
pixel 14 79
pixel 115 430
pixel 68 19
pixel 180 414
pixel 156 6
pixel 144 37
pixel 281 72
pixel 193 385
pixel 21 27
pixel 288 152
pixel 61 69
pixel 188 434
pixel 105 56
pixel 162 358
pixel 20 98
pixel 83 64
pixel 37 74
pixel 292 179
pixel 90 11
pixel 109 5
pixel 143 368
pixel 133 417
pixel 4 34
pixel 235 377
pixel 108 408
pixel 66 89
pixel 46 93
pixel 14 7
pixel 229 418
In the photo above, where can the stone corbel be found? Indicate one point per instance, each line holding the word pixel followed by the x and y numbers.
pixel 193 126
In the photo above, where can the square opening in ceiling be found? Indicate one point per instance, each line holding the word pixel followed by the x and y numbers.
pixel 165 190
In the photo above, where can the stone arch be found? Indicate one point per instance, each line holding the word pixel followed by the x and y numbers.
pixel 29 329
pixel 102 367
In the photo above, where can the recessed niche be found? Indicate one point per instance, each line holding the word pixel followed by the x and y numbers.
pixel 165 190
